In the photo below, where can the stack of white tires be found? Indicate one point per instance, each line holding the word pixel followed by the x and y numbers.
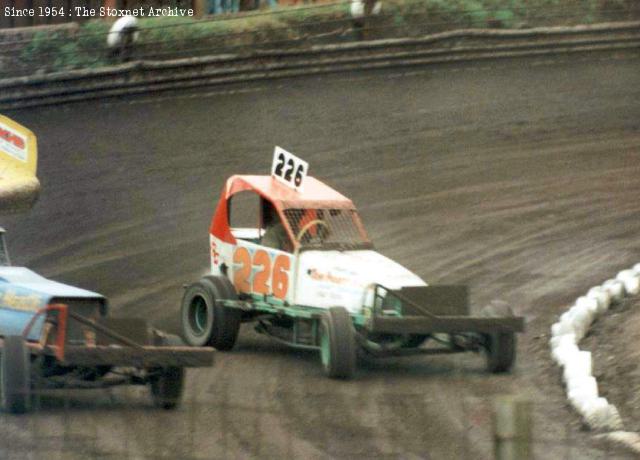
pixel 566 334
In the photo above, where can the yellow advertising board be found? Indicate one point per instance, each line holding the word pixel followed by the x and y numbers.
pixel 19 186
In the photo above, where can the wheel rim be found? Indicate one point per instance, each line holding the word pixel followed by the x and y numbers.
pixel 198 315
pixel 325 347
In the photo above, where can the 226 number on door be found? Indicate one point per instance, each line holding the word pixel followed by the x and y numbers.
pixel 259 274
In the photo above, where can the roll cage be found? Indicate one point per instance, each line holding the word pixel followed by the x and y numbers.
pixel 298 212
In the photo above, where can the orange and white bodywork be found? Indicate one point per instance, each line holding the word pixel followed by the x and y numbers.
pixel 336 273
pixel 308 276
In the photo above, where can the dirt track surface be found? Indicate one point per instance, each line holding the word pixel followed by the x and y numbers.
pixel 519 178
pixel 612 341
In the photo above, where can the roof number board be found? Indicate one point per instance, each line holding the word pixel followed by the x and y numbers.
pixel 288 168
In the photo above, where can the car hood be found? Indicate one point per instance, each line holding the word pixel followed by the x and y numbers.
pixel 23 293
pixel 20 277
pixel 329 278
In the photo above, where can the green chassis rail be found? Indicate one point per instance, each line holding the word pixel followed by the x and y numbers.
pixel 422 310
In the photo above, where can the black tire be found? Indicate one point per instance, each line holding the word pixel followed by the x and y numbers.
pixel 500 347
pixel 337 344
pixel 15 375
pixel 167 386
pixel 204 321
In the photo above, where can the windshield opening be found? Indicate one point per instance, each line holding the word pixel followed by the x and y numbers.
pixel 327 229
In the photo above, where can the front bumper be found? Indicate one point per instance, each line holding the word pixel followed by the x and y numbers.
pixel 142 357
pixel 443 324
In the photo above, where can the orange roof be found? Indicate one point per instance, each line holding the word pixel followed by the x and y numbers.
pixel 314 194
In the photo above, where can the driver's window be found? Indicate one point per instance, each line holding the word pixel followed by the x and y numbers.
pixel 244 216
pixel 275 234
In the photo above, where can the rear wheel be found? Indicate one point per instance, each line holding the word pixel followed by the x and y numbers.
pixel 167 385
pixel 337 344
pixel 500 347
pixel 204 320
pixel 15 375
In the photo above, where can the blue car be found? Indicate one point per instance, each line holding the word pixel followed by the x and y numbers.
pixel 53 335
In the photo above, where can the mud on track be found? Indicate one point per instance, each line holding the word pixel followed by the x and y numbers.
pixel 519 178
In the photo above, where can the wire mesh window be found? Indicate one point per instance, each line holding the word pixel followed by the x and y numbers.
pixel 327 228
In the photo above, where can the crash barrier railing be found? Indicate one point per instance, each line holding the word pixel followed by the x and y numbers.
pixel 220 422
pixel 79 49
pixel 447 47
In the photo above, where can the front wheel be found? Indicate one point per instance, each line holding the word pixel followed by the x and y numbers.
pixel 338 344
pixel 204 321
pixel 15 375
pixel 501 351
pixel 167 387
pixel 500 346
pixel 167 384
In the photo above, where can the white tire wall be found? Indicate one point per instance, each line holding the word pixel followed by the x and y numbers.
pixel 577 366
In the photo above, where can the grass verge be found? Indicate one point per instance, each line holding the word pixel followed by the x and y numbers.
pixel 170 37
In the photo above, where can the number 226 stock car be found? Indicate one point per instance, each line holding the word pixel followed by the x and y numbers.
pixel 307 274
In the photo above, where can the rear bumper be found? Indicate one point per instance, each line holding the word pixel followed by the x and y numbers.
pixel 444 324
pixel 143 357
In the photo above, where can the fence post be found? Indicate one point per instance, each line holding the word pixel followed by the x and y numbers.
pixel 200 8
pixel 512 428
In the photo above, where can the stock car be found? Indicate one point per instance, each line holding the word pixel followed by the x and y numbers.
pixel 56 336
pixel 323 286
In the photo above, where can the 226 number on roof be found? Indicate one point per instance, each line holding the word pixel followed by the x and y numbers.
pixel 288 168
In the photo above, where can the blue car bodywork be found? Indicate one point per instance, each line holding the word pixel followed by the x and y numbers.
pixel 23 293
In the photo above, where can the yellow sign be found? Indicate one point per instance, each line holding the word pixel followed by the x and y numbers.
pixel 19 186
pixel 18 146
